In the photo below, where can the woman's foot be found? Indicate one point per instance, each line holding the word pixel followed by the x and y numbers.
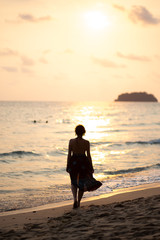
pixel 78 204
pixel 75 205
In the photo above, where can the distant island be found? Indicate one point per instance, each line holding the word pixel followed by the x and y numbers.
pixel 136 97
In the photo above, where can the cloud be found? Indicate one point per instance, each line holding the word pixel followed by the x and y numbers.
pixel 157 56
pixel 69 51
pixel 31 18
pixel 43 60
pixel 27 61
pixel 9 69
pixel 139 14
pixel 106 63
pixel 8 52
pixel 47 51
pixel 142 15
pixel 26 70
pixel 119 7
pixel 44 54
pixel 133 57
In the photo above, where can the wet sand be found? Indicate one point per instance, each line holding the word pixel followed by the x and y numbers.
pixel 125 214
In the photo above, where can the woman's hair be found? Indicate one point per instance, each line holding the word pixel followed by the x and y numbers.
pixel 80 130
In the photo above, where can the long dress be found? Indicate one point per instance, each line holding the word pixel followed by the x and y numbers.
pixel 80 170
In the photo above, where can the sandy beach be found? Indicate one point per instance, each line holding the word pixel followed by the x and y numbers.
pixel 124 214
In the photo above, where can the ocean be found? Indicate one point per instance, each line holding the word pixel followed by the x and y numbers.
pixel 125 148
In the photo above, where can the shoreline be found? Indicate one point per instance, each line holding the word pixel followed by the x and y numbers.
pixel 124 193
pixel 42 213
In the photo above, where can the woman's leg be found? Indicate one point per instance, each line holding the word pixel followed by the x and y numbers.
pixel 74 192
pixel 80 195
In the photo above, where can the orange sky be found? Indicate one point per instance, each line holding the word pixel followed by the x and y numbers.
pixel 78 49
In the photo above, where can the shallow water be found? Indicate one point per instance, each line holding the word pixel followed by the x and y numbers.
pixel 125 141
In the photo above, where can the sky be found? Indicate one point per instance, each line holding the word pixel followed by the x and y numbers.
pixel 78 50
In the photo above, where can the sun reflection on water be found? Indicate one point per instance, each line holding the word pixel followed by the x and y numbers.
pixel 117 152
pixel 99 156
pixel 93 122
pixel 100 131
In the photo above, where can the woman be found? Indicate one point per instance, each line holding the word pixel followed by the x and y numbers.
pixel 79 166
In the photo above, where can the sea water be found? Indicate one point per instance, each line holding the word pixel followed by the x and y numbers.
pixel 34 136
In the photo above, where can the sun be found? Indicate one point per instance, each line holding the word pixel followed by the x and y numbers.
pixel 96 20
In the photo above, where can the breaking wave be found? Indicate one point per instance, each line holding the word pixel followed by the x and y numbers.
pixel 155 141
pixel 132 170
pixel 18 153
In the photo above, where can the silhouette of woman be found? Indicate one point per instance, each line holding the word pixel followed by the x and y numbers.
pixel 79 166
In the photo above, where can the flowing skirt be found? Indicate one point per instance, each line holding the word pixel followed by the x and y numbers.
pixel 80 170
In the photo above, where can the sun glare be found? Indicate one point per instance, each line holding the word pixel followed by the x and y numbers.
pixel 93 124
pixel 96 20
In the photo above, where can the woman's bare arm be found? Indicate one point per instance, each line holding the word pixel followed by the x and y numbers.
pixel 89 155
pixel 69 155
